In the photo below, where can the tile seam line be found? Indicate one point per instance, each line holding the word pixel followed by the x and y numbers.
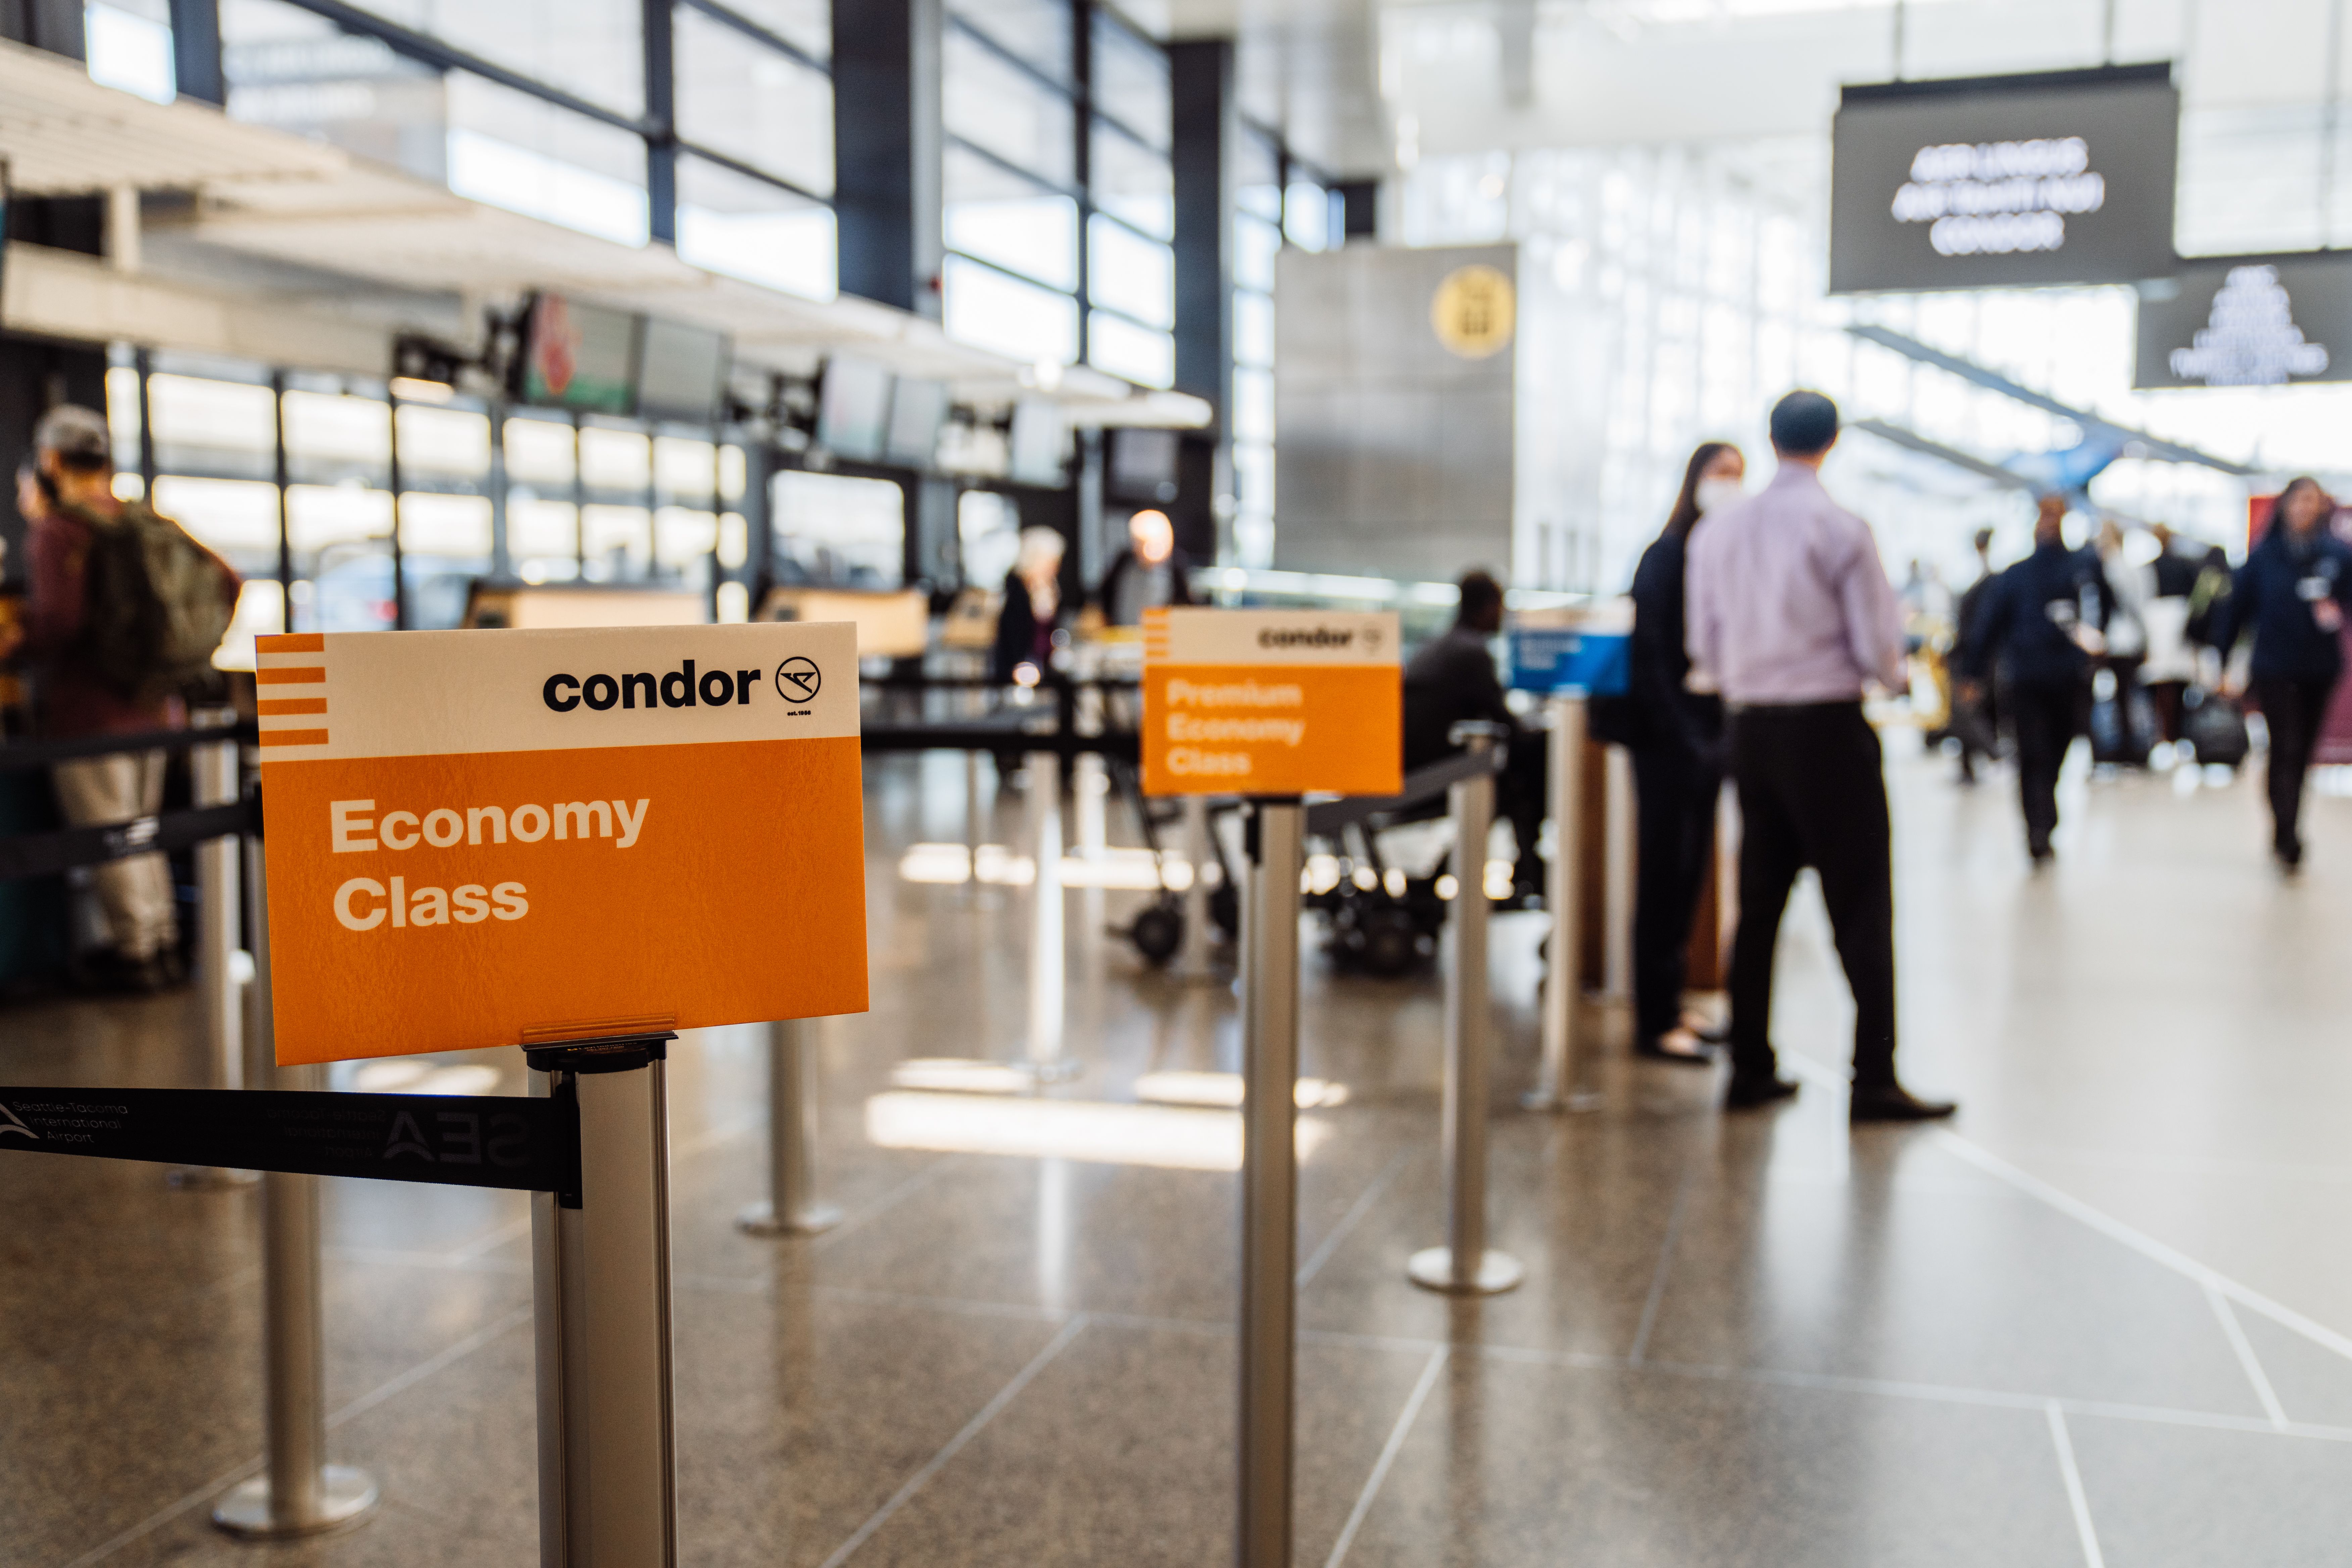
pixel 2235 1332
pixel 2142 1243
pixel 1438 1359
pixel 389 1388
pixel 1371 1194
pixel 2078 1502
pixel 955 1445
pixel 885 1203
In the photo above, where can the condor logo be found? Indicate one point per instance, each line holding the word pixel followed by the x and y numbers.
pixel 680 687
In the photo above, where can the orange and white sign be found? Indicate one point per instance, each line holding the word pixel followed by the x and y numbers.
pixel 503 837
pixel 1272 702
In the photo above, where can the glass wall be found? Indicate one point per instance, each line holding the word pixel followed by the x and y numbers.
pixel 1280 201
pixel 1060 203
pixel 1670 294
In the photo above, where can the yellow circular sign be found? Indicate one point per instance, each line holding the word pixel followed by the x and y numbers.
pixel 1474 312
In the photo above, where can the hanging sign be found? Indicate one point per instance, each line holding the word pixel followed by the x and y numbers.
pixel 2004 182
pixel 504 837
pixel 1272 702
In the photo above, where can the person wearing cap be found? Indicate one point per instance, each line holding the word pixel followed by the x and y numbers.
pixel 66 495
pixel 1150 572
pixel 1792 617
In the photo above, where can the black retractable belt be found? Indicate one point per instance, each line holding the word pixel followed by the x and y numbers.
pixel 46 854
pixel 463 1141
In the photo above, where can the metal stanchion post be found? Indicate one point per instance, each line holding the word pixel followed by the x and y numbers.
pixel 1463 1266
pixel 1617 945
pixel 1045 966
pixel 1193 959
pixel 791 1207
pixel 214 781
pixel 975 820
pixel 1563 1078
pixel 300 1493
pixel 1270 1178
pixel 607 1465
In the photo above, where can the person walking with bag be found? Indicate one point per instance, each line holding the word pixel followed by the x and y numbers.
pixel 1792 616
pixel 2039 625
pixel 2291 595
pixel 1676 737
pixel 123 614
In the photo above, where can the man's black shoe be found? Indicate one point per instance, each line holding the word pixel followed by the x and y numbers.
pixel 1893 1102
pixel 1747 1093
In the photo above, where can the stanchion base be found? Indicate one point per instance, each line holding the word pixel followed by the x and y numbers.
pixel 1431 1269
pixel 1544 1100
pixel 209 1178
pixel 760 1219
pixel 347 1497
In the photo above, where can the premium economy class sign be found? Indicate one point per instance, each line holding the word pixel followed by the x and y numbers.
pixel 500 837
pixel 1272 702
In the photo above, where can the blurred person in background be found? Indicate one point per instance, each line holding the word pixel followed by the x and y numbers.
pixel 122 613
pixel 1791 616
pixel 2291 597
pixel 2038 627
pixel 1976 711
pixel 1150 572
pixel 2170 667
pixel 1676 737
pixel 2122 725
pixel 1032 608
pixel 1452 679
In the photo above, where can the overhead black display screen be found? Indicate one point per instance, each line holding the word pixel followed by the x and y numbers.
pixel 2248 321
pixel 2004 182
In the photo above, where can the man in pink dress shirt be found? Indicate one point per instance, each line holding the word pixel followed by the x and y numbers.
pixel 1792 617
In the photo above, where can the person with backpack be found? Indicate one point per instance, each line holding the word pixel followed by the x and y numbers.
pixel 2292 595
pixel 2041 623
pixel 124 613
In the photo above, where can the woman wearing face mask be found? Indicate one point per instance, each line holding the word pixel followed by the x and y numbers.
pixel 2292 594
pixel 1675 736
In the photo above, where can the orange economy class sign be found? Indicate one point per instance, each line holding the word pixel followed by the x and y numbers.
pixel 1272 702
pixel 507 837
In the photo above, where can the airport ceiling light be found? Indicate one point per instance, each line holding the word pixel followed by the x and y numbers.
pixel 64 134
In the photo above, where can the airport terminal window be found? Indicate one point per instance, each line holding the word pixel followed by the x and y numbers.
pixel 991 104
pixel 1010 220
pixel 729 222
pixel 1038 33
pixel 995 310
pixel 805 25
pixel 128 46
pixel 1130 80
pixel 511 149
pixel 565 142
pixel 835 530
pixel 594 49
pixel 751 103
pixel 1046 147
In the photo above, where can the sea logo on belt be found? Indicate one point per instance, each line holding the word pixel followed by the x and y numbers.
pixel 9 1124
pixel 797 679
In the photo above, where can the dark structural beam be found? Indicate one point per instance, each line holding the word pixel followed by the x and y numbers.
pixel 1207 130
pixel 886 137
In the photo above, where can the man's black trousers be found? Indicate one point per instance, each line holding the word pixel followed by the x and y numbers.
pixel 1812 792
pixel 2046 716
pixel 2294 708
pixel 1675 790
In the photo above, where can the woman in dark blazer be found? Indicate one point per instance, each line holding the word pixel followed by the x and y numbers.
pixel 1675 736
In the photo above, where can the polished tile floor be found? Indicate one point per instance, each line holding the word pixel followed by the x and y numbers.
pixel 2101 1319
